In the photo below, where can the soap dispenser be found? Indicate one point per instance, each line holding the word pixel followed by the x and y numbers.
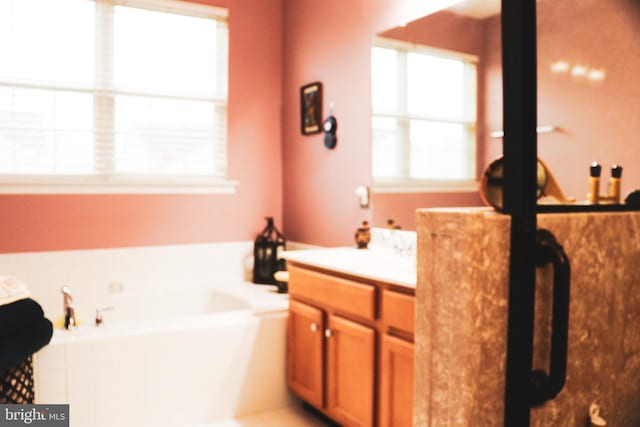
pixel 363 235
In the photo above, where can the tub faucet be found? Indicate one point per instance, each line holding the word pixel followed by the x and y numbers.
pixel 99 314
pixel 67 305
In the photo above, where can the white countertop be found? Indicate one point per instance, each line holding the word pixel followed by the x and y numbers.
pixel 380 264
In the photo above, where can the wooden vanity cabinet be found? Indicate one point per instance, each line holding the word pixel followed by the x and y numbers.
pixel 305 373
pixel 396 365
pixel 344 357
pixel 350 372
pixel 396 382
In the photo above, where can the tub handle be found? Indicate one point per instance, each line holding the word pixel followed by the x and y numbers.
pixel 328 333
pixel 314 327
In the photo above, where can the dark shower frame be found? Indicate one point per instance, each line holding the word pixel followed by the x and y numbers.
pixel 519 70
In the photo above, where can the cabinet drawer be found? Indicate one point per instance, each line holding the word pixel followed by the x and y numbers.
pixel 398 311
pixel 345 295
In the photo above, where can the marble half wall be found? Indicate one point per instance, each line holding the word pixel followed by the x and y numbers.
pixel 461 319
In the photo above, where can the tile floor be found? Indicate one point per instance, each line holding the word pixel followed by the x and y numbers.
pixel 292 416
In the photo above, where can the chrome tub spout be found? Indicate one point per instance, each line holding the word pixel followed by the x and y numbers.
pixel 67 305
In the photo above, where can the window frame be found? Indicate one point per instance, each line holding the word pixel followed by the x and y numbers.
pixel 107 183
pixel 406 184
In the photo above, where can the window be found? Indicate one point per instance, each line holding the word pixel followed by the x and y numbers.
pixel 423 120
pixel 113 92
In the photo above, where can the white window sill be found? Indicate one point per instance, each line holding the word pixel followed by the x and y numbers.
pixel 435 186
pixel 93 185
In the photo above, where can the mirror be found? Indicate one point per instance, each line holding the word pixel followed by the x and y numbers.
pixel 441 123
pixel 587 95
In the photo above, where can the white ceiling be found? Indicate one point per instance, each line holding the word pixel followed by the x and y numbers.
pixel 477 8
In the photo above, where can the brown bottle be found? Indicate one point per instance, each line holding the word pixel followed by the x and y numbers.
pixel 363 235
pixel 594 183
pixel 615 183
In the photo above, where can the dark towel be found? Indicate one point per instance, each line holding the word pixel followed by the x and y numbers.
pixel 16 347
pixel 19 315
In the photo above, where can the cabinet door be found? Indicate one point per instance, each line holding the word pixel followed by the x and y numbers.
pixel 350 372
pixel 304 352
pixel 396 382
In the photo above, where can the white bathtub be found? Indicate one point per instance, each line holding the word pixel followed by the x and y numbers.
pixel 174 359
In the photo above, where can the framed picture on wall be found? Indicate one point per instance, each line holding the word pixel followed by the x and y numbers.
pixel 311 108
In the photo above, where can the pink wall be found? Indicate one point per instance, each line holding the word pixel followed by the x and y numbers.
pixel 599 120
pixel 326 41
pixel 48 222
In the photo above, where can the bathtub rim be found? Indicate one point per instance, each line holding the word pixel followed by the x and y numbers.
pixel 260 300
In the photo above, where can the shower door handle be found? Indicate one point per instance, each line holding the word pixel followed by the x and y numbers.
pixel 547 386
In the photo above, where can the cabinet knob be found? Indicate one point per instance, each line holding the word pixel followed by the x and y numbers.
pixel 313 327
pixel 328 333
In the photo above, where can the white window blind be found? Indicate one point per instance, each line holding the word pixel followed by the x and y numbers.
pixel 424 104
pixel 113 91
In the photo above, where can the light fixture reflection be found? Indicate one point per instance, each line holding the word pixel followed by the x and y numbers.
pixel 559 67
pixel 596 75
pixel 579 71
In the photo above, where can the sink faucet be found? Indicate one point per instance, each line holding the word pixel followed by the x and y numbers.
pixel 404 246
pixel 67 305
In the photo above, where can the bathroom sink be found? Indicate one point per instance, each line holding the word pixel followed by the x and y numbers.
pixel 382 264
pixel 387 259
